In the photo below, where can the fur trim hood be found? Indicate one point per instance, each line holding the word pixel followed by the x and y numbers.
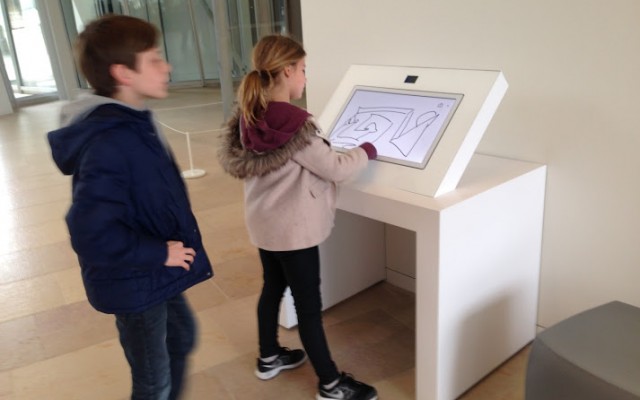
pixel 243 163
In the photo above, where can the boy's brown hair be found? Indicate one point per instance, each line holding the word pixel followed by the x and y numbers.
pixel 109 40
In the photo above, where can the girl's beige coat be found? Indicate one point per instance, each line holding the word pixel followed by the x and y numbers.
pixel 290 192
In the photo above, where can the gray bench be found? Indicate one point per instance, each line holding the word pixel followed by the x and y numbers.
pixel 594 355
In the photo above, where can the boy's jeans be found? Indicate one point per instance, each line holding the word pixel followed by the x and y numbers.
pixel 156 343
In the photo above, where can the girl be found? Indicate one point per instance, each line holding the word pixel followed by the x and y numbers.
pixel 290 176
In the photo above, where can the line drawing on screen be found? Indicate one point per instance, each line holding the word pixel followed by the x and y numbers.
pixel 404 127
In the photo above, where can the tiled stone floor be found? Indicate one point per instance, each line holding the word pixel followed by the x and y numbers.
pixel 53 345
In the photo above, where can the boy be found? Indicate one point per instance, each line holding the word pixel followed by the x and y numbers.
pixel 130 220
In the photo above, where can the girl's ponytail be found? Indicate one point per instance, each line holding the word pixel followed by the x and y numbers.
pixel 252 96
pixel 270 56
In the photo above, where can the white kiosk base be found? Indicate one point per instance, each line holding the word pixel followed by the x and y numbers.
pixel 477 257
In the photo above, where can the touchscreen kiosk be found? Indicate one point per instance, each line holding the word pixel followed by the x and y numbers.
pixel 426 123
pixel 405 126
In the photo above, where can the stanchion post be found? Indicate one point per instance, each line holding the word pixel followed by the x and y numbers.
pixel 191 172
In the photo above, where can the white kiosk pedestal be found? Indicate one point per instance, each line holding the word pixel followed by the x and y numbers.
pixel 477 257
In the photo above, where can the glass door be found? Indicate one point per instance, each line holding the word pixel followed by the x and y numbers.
pixel 24 53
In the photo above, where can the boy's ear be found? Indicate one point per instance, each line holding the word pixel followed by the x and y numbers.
pixel 121 73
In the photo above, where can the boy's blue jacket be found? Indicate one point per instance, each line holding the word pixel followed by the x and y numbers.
pixel 129 199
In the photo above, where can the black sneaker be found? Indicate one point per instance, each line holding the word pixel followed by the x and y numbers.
pixel 347 388
pixel 287 359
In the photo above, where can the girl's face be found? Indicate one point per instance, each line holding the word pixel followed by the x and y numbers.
pixel 297 79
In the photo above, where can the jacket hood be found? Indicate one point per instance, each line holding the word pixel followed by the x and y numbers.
pixel 240 162
pixel 279 124
pixel 80 124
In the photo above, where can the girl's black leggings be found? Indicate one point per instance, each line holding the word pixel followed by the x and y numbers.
pixel 300 270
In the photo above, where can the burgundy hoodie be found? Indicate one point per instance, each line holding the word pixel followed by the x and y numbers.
pixel 281 121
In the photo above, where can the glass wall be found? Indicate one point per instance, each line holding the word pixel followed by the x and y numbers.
pixel 24 53
pixel 188 34
pixel 35 38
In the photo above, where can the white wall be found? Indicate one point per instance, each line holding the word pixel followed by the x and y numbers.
pixel 573 103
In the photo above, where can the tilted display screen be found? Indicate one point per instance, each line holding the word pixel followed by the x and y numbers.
pixel 404 125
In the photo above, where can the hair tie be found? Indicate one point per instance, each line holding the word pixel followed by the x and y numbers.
pixel 264 75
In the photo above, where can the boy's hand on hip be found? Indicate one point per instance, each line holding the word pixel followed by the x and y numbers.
pixel 179 256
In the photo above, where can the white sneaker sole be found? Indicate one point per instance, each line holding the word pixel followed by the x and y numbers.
pixel 265 376
pixel 318 397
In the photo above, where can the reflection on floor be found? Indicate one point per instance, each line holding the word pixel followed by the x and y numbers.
pixel 54 346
